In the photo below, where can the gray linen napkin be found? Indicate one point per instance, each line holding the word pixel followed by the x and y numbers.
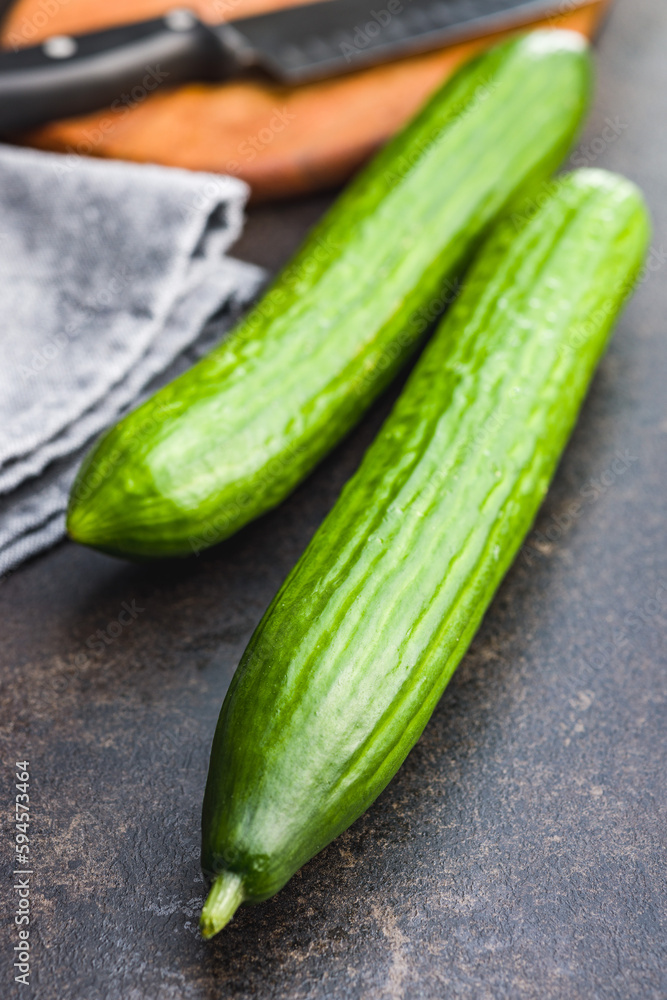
pixel 110 274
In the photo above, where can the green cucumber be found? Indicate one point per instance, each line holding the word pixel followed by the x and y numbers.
pixel 232 437
pixel 348 663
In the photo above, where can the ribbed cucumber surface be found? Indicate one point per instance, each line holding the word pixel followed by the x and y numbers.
pixel 232 437
pixel 348 663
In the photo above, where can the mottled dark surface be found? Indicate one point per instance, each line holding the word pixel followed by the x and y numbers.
pixel 519 853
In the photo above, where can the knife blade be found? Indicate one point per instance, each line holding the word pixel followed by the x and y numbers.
pixel 72 75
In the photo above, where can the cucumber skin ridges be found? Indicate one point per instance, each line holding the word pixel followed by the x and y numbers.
pixel 350 659
pixel 233 436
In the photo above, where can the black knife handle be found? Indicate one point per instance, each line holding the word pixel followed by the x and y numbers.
pixel 115 68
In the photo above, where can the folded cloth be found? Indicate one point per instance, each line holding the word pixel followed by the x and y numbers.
pixel 110 274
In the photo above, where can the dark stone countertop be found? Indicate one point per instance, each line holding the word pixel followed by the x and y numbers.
pixel 519 853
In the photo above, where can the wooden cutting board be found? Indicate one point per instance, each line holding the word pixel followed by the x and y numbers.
pixel 282 141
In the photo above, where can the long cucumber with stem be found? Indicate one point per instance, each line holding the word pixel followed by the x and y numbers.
pixel 349 661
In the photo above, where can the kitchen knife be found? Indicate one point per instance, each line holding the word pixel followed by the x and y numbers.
pixel 68 75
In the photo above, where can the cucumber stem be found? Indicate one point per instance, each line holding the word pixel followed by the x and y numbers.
pixel 221 904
